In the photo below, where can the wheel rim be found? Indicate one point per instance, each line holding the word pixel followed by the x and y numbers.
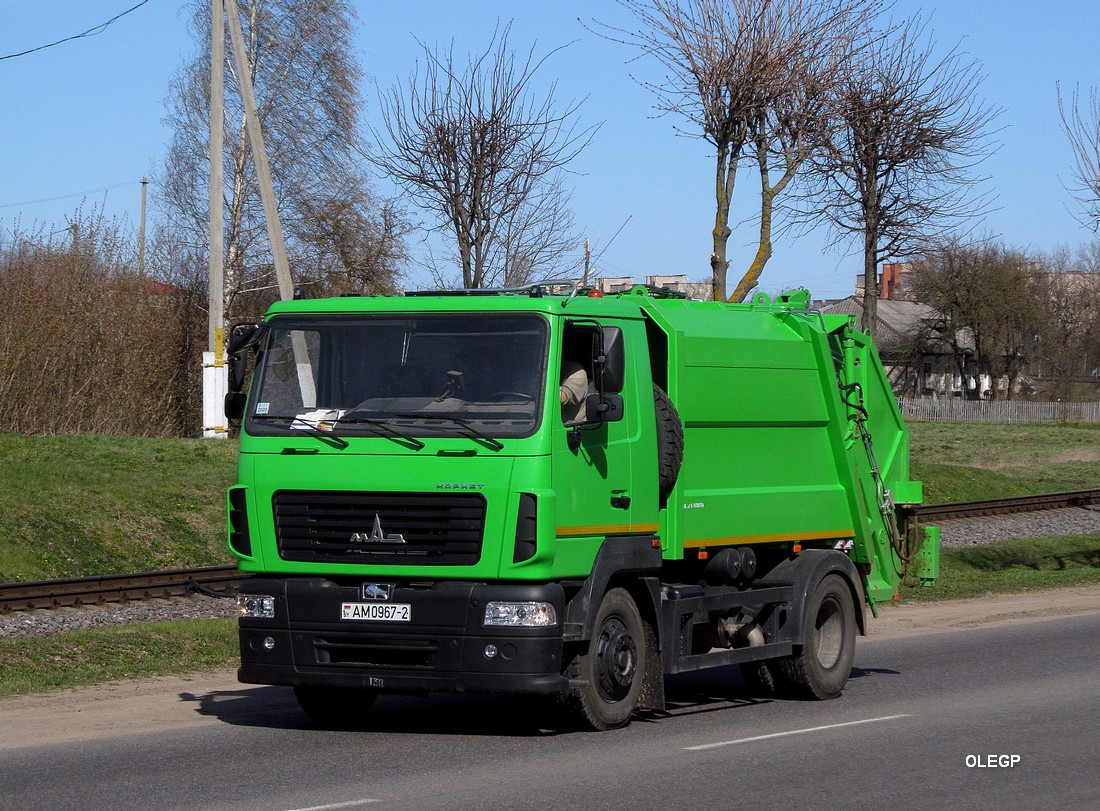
pixel 830 634
pixel 616 660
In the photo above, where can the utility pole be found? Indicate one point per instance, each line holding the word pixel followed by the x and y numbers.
pixel 215 375
pixel 141 230
pixel 267 197
pixel 259 155
pixel 217 177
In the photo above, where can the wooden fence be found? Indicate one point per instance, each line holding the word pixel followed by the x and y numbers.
pixel 1009 412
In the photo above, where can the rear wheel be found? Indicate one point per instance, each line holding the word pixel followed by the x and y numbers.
pixel 609 674
pixel 335 705
pixel 821 669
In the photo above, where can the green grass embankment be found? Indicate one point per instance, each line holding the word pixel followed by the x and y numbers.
pixel 74 506
pixel 964 462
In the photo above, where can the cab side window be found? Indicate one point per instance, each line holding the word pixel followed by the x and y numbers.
pixel 576 373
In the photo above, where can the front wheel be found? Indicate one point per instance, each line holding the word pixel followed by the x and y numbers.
pixel 821 669
pixel 608 676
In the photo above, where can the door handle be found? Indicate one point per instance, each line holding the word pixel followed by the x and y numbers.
pixel 620 502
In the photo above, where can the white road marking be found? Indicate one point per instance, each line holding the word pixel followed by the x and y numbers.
pixel 703 746
pixel 333 806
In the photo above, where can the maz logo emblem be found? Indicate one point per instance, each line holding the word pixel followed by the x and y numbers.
pixel 376 535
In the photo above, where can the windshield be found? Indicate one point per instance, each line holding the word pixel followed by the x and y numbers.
pixel 473 375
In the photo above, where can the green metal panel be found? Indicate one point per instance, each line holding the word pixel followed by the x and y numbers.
pixel 926 562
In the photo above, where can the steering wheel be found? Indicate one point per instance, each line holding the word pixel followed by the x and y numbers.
pixel 506 396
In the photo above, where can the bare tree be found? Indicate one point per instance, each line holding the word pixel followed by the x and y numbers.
pixel 1082 127
pixel 351 246
pixel 480 147
pixel 898 163
pixel 1067 341
pixel 754 78
pixel 305 80
pixel 991 301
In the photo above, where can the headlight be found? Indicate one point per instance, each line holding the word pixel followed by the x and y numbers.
pixel 257 606
pixel 520 615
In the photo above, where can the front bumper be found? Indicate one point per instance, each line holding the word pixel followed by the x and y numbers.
pixel 442 648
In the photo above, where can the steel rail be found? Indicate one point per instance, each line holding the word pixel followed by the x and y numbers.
pixel 220 581
pixel 930 513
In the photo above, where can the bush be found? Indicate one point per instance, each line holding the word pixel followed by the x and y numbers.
pixel 90 345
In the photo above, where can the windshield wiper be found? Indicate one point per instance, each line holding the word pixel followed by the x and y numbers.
pixel 383 427
pixel 308 427
pixel 468 429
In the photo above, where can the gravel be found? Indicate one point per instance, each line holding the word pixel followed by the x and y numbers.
pixel 1040 524
pixel 43 622
pixel 957 533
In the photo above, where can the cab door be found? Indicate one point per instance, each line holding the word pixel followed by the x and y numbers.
pixel 598 492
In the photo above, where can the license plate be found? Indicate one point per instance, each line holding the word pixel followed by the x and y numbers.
pixel 383 612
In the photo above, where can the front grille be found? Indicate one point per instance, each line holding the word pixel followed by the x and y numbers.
pixel 355 527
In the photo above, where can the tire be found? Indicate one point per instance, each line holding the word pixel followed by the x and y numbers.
pixel 335 706
pixel 670 442
pixel 610 673
pixel 821 668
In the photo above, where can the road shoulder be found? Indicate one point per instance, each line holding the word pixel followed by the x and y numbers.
pixel 911 619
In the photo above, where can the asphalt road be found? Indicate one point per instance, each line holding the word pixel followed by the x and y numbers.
pixel 992 718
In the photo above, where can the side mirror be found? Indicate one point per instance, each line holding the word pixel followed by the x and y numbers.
pixel 603 408
pixel 241 338
pixel 238 367
pixel 234 404
pixel 610 364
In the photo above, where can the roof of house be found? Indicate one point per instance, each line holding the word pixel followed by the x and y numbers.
pixel 898 321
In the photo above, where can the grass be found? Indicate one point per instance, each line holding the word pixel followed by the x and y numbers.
pixel 964 462
pixel 84 505
pixel 96 655
pixel 74 506
pixel 1010 567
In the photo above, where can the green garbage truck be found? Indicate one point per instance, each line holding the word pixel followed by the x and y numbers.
pixel 550 491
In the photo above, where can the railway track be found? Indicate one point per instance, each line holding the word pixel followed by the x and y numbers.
pixel 218 581
pixel 223 580
pixel 931 513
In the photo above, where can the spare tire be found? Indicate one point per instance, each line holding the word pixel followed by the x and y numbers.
pixel 670 442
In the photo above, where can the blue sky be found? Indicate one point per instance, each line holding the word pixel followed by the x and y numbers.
pixel 87 115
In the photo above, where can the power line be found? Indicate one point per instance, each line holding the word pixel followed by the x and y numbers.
pixel 67 196
pixel 99 29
